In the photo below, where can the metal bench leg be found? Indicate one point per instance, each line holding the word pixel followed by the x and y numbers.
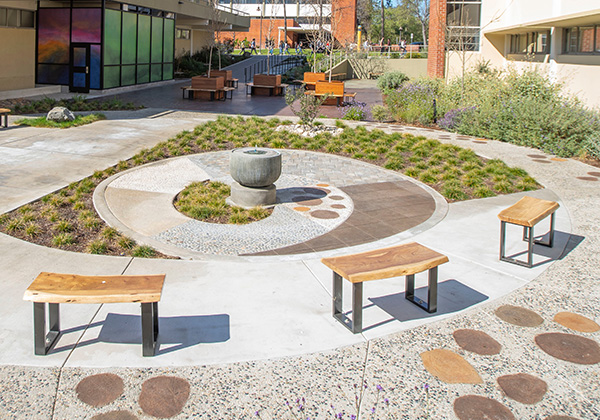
pixel 43 342
pixel 149 328
pixel 527 236
pixel 431 304
pixel 354 325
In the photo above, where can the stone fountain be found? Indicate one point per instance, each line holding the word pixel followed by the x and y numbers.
pixel 255 170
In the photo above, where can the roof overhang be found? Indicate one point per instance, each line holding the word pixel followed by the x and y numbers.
pixel 589 17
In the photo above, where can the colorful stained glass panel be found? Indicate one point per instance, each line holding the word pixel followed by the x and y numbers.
pixel 53 74
pixel 112 37
pixel 129 38
pixel 86 25
pixel 112 76
pixel 94 66
pixel 127 75
pixel 53 37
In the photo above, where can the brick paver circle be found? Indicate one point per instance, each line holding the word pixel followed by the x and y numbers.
pixel 115 415
pixel 164 396
pixel 324 214
pixel 576 322
pixel 524 388
pixel 477 342
pixel 449 367
pixel 99 390
pixel 517 315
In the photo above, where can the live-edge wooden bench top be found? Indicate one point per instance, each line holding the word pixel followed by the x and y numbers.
pixel 400 260
pixel 528 211
pixel 72 288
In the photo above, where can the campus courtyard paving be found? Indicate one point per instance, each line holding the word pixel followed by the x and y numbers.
pixel 243 334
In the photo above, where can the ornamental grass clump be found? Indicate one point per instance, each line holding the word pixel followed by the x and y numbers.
pixel 412 103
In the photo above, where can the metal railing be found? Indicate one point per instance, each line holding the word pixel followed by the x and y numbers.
pixel 219 6
pixel 277 65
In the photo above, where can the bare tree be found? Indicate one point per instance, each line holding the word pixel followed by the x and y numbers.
pixel 419 9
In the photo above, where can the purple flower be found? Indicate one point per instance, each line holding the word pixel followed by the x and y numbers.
pixel 379 388
pixel 372 410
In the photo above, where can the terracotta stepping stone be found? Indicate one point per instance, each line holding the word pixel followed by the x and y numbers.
pixel 587 178
pixel 115 415
pixel 597 174
pixel 477 342
pixel 99 390
pixel 450 367
pixel 570 347
pixel 338 206
pixel 322 185
pixel 302 208
pixel 517 315
pixel 307 201
pixel 558 159
pixel 474 407
pixel 336 197
pixel 164 396
pixel 576 322
pixel 541 161
pixel 480 142
pixel 524 388
pixel 324 214
pixel 555 417
pixel 537 156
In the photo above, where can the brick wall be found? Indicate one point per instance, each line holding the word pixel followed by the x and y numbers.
pixel 437 39
pixel 344 21
pixel 269 29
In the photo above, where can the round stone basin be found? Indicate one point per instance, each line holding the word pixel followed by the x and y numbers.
pixel 255 167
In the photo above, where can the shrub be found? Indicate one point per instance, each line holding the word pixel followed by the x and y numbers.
pixel 355 111
pixel 412 102
pixel 391 81
pixel 309 106
pixel 380 113
pixel 143 251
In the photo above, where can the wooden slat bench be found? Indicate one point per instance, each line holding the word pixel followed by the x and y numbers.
pixel 223 93
pixel 527 212
pixel 4 113
pixel 402 260
pixel 273 90
pixel 54 289
pixel 334 90
pixel 311 79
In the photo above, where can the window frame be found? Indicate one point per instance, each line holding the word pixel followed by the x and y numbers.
pixel 573 48
pixel 470 33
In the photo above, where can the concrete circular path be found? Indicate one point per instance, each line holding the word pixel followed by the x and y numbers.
pixel 248 334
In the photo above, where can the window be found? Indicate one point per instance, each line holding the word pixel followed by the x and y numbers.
pixel 530 43
pixel 182 33
pixel 463 20
pixel 16 18
pixel 581 40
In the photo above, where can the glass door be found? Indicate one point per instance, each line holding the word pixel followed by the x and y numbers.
pixel 80 68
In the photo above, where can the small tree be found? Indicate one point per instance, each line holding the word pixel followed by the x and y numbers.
pixel 310 106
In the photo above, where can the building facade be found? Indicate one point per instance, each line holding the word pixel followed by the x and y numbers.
pixel 97 45
pixel 560 38
pixel 302 20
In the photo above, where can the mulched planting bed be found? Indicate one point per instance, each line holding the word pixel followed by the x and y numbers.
pixel 66 219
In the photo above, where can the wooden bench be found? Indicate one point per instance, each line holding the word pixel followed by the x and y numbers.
pixel 527 212
pixel 334 90
pixel 209 88
pixel 402 260
pixel 4 113
pixel 227 75
pixel 311 79
pixel 266 85
pixel 54 289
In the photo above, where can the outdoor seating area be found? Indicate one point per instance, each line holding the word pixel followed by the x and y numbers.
pixel 4 114
pixel 310 79
pixel 334 91
pixel 266 85
pixel 208 88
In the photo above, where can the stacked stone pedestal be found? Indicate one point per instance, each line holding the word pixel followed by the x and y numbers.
pixel 255 170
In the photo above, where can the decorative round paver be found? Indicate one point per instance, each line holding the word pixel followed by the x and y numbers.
pixel 587 178
pixel 115 415
pixel 537 156
pixel 557 417
pixel 570 347
pixel 338 206
pixel 541 161
pixel 302 208
pixel 336 197
pixel 524 388
pixel 576 322
pixel 450 367
pixel 479 141
pixel 324 214
pixel 322 185
pixel 596 174
pixel 164 396
pixel 474 407
pixel 477 342
pixel 319 192
pixel 307 201
pixel 558 159
pixel 101 389
pixel 517 315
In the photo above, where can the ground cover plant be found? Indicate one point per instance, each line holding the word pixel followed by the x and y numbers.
pixel 525 108
pixel 66 218
pixel 205 201
pixel 42 122
pixel 77 103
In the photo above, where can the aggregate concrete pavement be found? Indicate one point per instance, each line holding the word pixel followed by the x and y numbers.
pixel 248 333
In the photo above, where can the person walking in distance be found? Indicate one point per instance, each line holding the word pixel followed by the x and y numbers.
pixel 253 46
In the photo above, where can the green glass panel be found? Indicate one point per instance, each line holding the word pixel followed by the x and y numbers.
pixel 129 37
pixel 156 74
pixel 168 41
pixel 167 71
pixel 112 37
pixel 157 40
pixel 143 73
pixel 112 75
pixel 143 39
pixel 127 75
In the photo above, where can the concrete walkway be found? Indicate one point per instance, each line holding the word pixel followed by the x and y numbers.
pixel 245 333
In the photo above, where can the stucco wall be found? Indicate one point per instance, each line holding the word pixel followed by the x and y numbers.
pixel 17 69
pixel 413 68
